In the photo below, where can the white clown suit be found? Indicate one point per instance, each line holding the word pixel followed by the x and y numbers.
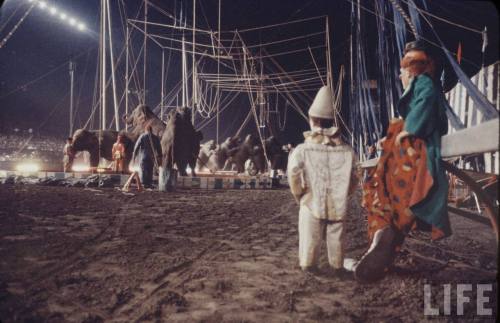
pixel 321 175
pixel 322 172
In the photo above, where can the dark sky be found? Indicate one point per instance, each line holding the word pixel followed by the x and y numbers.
pixel 41 44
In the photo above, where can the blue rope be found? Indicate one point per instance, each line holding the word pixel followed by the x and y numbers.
pixel 480 101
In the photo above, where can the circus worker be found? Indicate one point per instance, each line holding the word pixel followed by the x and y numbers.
pixel 408 188
pixel 68 155
pixel 148 150
pixel 118 153
pixel 322 173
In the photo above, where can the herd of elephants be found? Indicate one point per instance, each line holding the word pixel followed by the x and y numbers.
pixel 181 145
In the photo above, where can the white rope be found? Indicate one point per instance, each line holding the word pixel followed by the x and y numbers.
pixel 281 24
pixel 315 65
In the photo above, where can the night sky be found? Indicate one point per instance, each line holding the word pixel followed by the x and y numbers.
pixel 31 99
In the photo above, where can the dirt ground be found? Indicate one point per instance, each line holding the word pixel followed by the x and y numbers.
pixel 94 255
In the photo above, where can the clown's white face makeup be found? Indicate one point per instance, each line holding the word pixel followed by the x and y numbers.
pixel 405 77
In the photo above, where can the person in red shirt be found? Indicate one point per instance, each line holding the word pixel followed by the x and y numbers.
pixel 118 154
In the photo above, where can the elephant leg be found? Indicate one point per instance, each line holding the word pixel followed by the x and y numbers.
pixel 181 166
pixel 192 164
pixel 240 167
pixel 228 165
pixel 94 159
pixel 146 173
pixel 125 167
pixel 68 164
pixel 167 179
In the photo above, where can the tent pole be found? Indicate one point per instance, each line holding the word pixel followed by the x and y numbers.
pixel 115 100
pixel 193 90
pixel 162 83
pixel 145 51
pixel 218 76
pixel 126 72
pixel 103 64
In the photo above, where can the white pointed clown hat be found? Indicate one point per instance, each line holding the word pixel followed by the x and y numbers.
pixel 322 106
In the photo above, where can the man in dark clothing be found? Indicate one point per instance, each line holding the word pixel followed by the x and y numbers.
pixel 148 149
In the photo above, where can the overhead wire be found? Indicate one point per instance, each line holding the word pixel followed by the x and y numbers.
pixel 41 77
pixel 20 4
pixel 411 3
pixel 423 38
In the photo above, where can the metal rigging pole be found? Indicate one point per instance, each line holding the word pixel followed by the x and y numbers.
pixel 72 66
pixel 184 76
pixel 103 65
pixel 115 100
pixel 218 77
pixel 193 101
pixel 162 102
pixel 145 48
pixel 126 72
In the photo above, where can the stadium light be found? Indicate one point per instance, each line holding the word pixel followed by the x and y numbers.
pixel 62 15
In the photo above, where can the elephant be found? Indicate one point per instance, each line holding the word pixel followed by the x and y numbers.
pixel 180 144
pixel 246 150
pixel 278 157
pixel 207 150
pixel 99 144
pixel 250 155
pixel 141 117
pixel 224 151
pixel 214 157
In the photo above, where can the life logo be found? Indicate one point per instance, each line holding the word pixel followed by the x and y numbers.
pixel 464 295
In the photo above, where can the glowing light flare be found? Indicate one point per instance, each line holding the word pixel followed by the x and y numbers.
pixel 42 4
pixel 81 27
pixel 53 10
pixel 28 167
pixel 63 16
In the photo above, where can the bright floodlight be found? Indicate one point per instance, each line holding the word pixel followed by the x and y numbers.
pixel 28 167
pixel 54 11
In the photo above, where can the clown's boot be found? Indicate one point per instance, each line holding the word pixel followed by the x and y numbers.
pixel 380 255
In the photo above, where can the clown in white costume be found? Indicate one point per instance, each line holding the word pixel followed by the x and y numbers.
pixel 322 173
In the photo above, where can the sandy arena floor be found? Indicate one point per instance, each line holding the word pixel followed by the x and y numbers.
pixel 89 255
